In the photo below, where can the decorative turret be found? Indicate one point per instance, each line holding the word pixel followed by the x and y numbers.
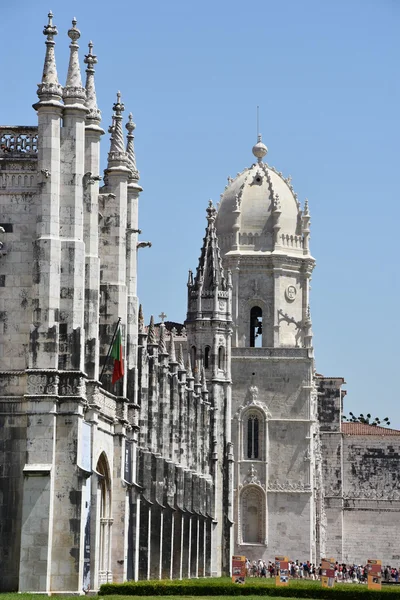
pixel 306 221
pixel 117 157
pixel 130 149
pixel 49 90
pixel 141 321
pixel 181 361
pixel 276 213
pixel 236 224
pixel 162 347
pixel 172 352
pixel 74 93
pixel 308 328
pixel 94 114
pixel 151 334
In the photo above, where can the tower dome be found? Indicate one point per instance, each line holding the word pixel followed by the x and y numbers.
pixel 259 211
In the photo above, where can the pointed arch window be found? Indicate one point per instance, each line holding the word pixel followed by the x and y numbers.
pixel 253 433
pixel 207 351
pixel 256 327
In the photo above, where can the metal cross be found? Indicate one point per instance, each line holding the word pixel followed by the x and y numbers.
pixel 162 316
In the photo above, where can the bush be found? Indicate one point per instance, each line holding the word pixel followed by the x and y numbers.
pixel 224 587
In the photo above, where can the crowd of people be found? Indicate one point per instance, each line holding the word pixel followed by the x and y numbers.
pixel 306 570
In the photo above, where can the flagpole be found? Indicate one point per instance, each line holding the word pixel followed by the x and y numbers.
pixel 109 349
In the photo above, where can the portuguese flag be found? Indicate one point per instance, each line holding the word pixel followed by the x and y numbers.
pixel 116 354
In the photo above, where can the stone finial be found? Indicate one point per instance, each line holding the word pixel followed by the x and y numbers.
pixel 140 320
pixel 276 205
pixel 117 154
pixel 172 353
pixel 130 149
pixel 73 92
pixel 49 88
pixel 161 342
pixel 211 212
pixel 181 361
pixel 151 333
pixel 306 212
pixel 91 100
pixel 259 150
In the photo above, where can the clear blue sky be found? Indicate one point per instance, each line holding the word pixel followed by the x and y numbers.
pixel 326 77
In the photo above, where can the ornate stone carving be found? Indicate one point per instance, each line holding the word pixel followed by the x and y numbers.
pixel 252 477
pixel 290 293
pixel 42 384
pixel 288 486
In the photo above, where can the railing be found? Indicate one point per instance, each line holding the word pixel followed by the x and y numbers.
pixel 18 141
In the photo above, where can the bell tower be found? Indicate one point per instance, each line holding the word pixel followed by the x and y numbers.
pixel 263 234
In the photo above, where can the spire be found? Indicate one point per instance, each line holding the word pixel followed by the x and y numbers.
pixel 130 149
pixel 117 152
pixel 181 361
pixel 210 273
pixel 161 342
pixel 49 88
pixel 189 367
pixel 73 92
pixel 140 320
pixel 91 101
pixel 172 353
pixel 151 333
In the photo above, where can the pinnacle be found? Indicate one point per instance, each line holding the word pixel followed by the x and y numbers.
pixel 91 100
pixel 73 92
pixel 49 88
pixel 151 333
pixel 130 149
pixel 117 154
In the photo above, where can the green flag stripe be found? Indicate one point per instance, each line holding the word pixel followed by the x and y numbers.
pixel 116 349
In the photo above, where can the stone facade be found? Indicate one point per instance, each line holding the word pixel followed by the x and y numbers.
pixel 219 438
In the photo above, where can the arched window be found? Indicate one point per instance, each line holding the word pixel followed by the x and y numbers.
pixel 256 327
pixel 221 357
pixel 207 350
pixel 252 515
pixel 104 513
pixel 253 432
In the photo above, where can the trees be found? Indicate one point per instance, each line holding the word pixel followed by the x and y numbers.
pixel 367 419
